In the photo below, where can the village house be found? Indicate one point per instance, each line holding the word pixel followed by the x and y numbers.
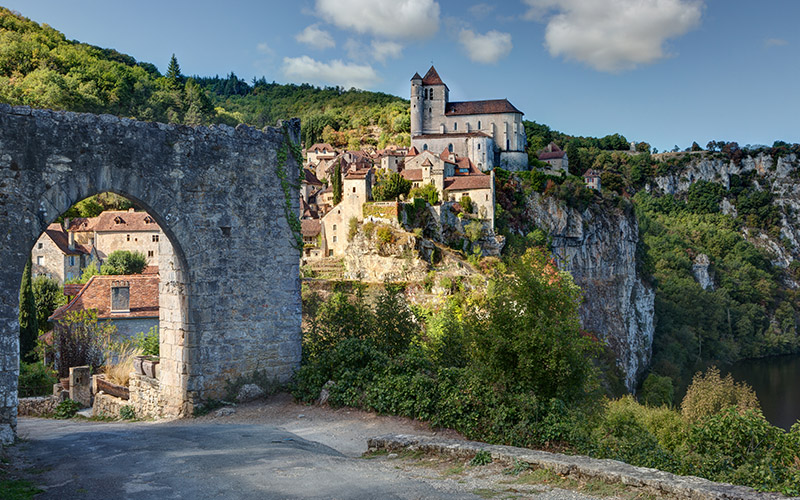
pixel 128 302
pixel 490 133
pixel 312 238
pixel 592 179
pixel 556 158
pixel 118 230
pixel 356 190
pixel 319 152
pixel 56 255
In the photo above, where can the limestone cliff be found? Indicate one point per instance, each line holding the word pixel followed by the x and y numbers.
pixel 598 247
pixel 777 176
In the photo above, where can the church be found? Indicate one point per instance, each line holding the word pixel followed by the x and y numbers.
pixel 490 133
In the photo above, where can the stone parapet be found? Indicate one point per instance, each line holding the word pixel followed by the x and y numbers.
pixel 653 481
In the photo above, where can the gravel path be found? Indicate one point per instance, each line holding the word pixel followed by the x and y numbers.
pixel 274 450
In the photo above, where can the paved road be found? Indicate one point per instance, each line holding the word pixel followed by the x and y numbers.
pixel 74 459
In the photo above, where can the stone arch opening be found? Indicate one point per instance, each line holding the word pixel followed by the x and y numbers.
pixel 223 197
pixel 164 395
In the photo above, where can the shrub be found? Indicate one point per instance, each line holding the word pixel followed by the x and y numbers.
pixel 385 235
pixel 352 229
pixel 709 394
pixel 48 296
pixel 466 204
pixel 66 409
pixel 474 230
pixel 369 228
pixel 428 192
pixel 127 412
pixel 36 379
pixel 80 340
pixel 148 342
pixel 124 262
pixel 657 390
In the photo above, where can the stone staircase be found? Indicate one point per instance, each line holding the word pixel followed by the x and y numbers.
pixel 329 268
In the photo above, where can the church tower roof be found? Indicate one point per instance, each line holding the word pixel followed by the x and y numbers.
pixel 432 78
pixel 416 77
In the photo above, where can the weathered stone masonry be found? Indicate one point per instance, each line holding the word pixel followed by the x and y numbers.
pixel 230 297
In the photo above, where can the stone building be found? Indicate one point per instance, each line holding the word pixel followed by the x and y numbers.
pixel 318 152
pixel 592 179
pixel 129 302
pixel 356 190
pixel 118 230
pixel 57 255
pixel 555 157
pixel 490 133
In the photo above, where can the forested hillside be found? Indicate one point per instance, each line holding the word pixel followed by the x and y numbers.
pixel 40 67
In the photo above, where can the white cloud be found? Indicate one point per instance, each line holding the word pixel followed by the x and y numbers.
pixel 488 48
pixel 613 35
pixel 775 42
pixel 265 49
pixel 480 10
pixel 383 50
pixel 306 69
pixel 384 18
pixel 315 37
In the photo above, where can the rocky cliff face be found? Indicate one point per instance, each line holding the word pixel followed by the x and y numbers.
pixel 598 247
pixel 780 177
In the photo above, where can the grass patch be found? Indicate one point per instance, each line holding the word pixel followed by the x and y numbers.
pixel 17 489
pixel 593 487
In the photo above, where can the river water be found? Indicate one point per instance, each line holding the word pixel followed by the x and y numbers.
pixel 776 381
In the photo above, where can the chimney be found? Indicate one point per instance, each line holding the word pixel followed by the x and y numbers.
pixel 70 234
pixel 120 296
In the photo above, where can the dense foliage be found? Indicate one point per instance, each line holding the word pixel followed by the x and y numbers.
pixel 48 296
pixel 124 262
pixel 28 319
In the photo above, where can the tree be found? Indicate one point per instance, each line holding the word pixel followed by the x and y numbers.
pixel 28 324
pixel 642 147
pixel 696 147
pixel 527 334
pixel 124 262
pixel 709 394
pixel 427 192
pixel 574 158
pixel 336 183
pixel 49 297
pixel 391 187
pixel 174 72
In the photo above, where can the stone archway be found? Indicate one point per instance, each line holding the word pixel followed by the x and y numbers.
pixel 231 294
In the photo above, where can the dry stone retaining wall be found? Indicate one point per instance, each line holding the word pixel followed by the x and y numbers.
pixel 230 293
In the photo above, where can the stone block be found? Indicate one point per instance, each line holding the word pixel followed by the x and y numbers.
pixel 80 385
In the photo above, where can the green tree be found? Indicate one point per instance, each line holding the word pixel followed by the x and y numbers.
pixel 527 334
pixel 428 192
pixel 574 159
pixel 28 323
pixel 124 262
pixel 336 183
pixel 49 297
pixel 174 72
pixel 391 187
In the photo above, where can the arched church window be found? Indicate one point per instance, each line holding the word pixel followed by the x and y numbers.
pixel 455 126
pixel 424 147
pixel 479 124
pixel 450 147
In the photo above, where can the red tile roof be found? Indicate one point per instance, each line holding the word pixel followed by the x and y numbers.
pixel 489 107
pixel 552 155
pixel 432 78
pixel 464 163
pixel 357 174
pixel 310 227
pixel 413 151
pixel 113 220
pixel 412 174
pixel 465 182
pixel 591 173
pixel 60 237
pixel 311 178
pixel 72 289
pixel 96 294
pixel 321 147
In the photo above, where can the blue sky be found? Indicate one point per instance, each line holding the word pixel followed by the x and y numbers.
pixel 664 71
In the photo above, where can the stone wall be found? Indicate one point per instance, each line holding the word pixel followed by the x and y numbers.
pixel 37 406
pixel 106 405
pixel 146 397
pixel 230 296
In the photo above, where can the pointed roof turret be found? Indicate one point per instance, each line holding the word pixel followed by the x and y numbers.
pixel 416 77
pixel 432 78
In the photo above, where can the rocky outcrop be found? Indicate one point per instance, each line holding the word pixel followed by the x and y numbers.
pixel 702 273
pixel 598 248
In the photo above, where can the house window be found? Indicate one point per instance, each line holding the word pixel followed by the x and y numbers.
pixel 334 239
pixel 479 147
pixel 455 127
pixel 479 124
pixel 71 260
pixel 128 236
pixel 150 253
pixel 354 189
pixel 330 253
pixel 424 147
pixel 40 260
pixel 334 227
pixel 40 245
pixel 155 238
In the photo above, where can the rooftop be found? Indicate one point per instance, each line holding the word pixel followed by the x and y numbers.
pixel 60 237
pixel 488 107
pixel 96 294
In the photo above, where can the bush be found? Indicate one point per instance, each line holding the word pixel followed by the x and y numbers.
pixel 124 262
pixel 49 297
pixel 66 409
pixel 148 342
pixel 36 379
pixel 385 235
pixel 467 204
pixel 127 412
pixel 352 229
pixel 657 390
pixel 709 394
pixel 428 192
pixel 80 340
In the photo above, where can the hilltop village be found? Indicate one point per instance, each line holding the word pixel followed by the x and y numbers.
pixel 455 148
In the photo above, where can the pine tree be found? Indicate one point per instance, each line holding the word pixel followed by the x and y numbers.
pixel 28 323
pixel 174 71
pixel 336 183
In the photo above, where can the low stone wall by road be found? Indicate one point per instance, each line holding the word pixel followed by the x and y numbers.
pixel 146 397
pixel 38 406
pixel 611 471
pixel 106 405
